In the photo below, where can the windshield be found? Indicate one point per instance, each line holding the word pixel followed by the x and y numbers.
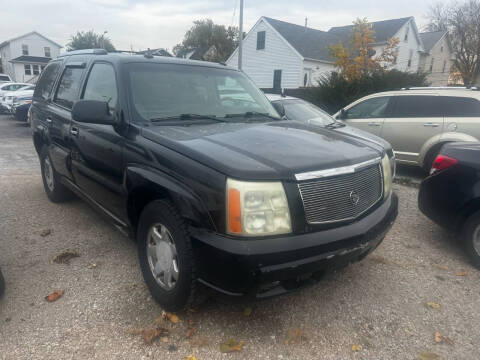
pixel 303 111
pixel 168 90
pixel 4 78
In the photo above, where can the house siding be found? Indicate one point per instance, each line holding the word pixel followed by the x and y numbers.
pixel 438 77
pixel 404 48
pixel 260 65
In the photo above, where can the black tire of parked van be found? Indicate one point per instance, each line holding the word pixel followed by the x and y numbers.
pixel 184 294
pixel 2 284
pixel 56 191
pixel 470 232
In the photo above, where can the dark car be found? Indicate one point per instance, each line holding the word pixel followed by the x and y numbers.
pixel 450 196
pixel 193 161
pixel 20 107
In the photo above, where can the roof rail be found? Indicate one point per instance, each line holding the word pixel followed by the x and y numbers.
pixel 85 52
pixel 441 88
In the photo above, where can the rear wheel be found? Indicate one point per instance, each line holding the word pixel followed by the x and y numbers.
pixel 471 238
pixel 166 257
pixel 56 191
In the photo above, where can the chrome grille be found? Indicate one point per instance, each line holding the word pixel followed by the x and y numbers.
pixel 333 198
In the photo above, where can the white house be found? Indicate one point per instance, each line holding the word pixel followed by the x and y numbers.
pixel 437 59
pixel 277 54
pixel 24 57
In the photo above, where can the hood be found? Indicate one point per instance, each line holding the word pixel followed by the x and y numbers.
pixel 264 151
pixel 365 136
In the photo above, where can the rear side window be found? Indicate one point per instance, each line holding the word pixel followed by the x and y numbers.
pixel 417 106
pixel 461 106
pixel 67 91
pixel 101 85
pixel 47 80
pixel 369 109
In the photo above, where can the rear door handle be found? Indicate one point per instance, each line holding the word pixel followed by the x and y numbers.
pixel 74 131
pixel 430 124
pixel 373 124
pixel 48 120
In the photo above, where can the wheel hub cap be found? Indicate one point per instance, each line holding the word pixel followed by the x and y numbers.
pixel 162 256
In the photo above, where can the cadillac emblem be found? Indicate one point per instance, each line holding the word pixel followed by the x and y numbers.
pixel 354 197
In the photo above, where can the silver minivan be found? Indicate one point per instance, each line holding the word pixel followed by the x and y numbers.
pixel 417 121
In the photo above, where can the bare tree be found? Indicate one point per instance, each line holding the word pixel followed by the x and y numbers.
pixel 462 20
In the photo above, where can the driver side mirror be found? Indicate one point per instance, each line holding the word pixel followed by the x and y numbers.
pixel 342 115
pixel 92 112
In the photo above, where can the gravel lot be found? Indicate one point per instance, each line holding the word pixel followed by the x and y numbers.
pixel 379 304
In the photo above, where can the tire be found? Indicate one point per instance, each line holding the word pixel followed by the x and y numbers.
pixel 471 238
pixel 2 284
pixel 180 293
pixel 56 191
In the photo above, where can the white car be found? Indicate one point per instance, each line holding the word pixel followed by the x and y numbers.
pixel 4 78
pixel 7 99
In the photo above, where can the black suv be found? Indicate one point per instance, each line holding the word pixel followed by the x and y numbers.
pixel 192 160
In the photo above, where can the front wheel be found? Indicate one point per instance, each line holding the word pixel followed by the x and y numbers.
pixel 55 190
pixel 166 257
pixel 471 238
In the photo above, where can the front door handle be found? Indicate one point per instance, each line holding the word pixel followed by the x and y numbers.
pixel 48 120
pixel 430 124
pixel 373 124
pixel 74 131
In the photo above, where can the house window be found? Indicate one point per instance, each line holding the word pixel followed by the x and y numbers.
pixel 260 40
pixel 431 64
pixel 24 49
pixel 36 70
pixel 46 50
pixel 441 49
pixel 28 69
pixel 444 66
pixel 277 79
pixel 406 34
pixel 410 56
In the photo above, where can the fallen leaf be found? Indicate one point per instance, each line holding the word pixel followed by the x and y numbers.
pixel 294 336
pixel 45 232
pixel 150 335
pixel 439 338
pixel 428 356
pixel 191 331
pixel 65 257
pixel 247 311
pixel 231 345
pixel 190 357
pixel 54 296
pixel 433 305
pixel 356 348
pixel 461 273
pixel 173 318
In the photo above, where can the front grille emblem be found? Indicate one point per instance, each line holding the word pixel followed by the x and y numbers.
pixel 354 197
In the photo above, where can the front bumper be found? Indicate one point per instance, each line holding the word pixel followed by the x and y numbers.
pixel 267 267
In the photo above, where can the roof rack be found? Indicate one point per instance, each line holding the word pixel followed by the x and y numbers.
pixel 442 88
pixel 85 52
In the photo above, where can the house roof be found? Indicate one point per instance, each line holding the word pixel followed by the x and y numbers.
pixel 310 43
pixel 429 39
pixel 384 29
pixel 6 42
pixel 31 59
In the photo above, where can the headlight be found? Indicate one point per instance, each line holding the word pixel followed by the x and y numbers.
pixel 387 176
pixel 257 208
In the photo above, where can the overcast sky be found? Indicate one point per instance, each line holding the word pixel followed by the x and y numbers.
pixel 162 23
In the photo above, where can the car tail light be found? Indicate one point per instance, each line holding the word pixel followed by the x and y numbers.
pixel 442 162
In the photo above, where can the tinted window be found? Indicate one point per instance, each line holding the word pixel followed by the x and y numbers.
pixel 4 78
pixel 47 79
pixel 67 90
pixel 461 106
pixel 370 108
pixel 417 106
pixel 101 85
pixel 260 40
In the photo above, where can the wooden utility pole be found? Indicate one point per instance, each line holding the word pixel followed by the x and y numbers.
pixel 240 37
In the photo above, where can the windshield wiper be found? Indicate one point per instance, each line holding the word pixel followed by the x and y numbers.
pixel 335 125
pixel 188 117
pixel 250 114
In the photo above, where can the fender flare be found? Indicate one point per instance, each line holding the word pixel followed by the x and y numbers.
pixel 442 139
pixel 189 204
